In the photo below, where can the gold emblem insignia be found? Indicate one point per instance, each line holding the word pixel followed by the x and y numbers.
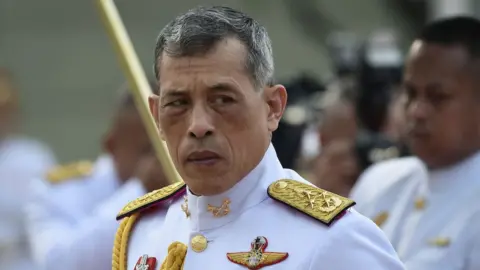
pixel 151 198
pixel 315 202
pixel 221 211
pixel 199 243
pixel 440 242
pixel 185 206
pixel 380 218
pixel 69 171
pixel 257 257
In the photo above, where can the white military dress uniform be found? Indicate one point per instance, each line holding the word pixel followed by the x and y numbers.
pixel 71 217
pixel 21 160
pixel 431 218
pixel 244 228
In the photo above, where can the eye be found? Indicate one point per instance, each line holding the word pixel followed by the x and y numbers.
pixel 222 100
pixel 176 103
pixel 438 97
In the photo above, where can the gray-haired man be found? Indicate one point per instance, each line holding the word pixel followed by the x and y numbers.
pixel 216 111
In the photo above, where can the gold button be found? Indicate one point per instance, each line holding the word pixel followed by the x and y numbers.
pixel 420 204
pixel 281 184
pixel 381 218
pixel 198 243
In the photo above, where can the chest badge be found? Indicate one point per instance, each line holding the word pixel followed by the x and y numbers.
pixel 146 263
pixel 257 257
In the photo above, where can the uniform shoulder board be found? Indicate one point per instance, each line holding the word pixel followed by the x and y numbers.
pixel 69 171
pixel 153 198
pixel 320 204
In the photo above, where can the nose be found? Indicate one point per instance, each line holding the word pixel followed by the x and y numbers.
pixel 201 123
pixel 418 110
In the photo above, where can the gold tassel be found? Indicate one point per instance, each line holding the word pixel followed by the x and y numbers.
pixel 175 258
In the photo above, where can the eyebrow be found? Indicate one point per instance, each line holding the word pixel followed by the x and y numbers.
pixel 223 87
pixel 169 93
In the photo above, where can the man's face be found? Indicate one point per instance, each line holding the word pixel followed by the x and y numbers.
pixel 128 143
pixel 216 124
pixel 442 109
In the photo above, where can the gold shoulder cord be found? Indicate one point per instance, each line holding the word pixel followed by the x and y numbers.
pixel 120 248
pixel 176 257
pixel 176 251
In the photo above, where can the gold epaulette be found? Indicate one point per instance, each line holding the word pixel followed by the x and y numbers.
pixel 150 199
pixel 69 171
pixel 320 204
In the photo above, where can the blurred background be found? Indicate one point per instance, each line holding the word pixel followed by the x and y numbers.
pixel 67 72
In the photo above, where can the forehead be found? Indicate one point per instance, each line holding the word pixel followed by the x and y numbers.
pixel 432 62
pixel 224 63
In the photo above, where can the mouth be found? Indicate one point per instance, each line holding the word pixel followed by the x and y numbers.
pixel 204 157
pixel 417 134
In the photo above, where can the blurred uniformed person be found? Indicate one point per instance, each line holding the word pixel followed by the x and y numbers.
pixel 21 159
pixel 429 206
pixel 71 217
pixel 342 161
pixel 240 208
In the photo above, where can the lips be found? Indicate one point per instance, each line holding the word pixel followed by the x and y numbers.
pixel 203 157
pixel 419 133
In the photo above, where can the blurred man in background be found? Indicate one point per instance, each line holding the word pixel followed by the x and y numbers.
pixel 339 118
pixel 71 217
pixel 21 159
pixel 361 117
pixel 429 206
pixel 342 161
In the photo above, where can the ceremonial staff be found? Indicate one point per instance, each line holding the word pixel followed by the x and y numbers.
pixel 138 81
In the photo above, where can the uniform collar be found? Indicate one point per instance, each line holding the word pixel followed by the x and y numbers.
pixel 247 193
pixel 457 174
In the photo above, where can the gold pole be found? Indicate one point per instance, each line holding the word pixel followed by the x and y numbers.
pixel 138 82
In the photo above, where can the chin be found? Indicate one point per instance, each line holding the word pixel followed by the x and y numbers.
pixel 206 185
pixel 214 169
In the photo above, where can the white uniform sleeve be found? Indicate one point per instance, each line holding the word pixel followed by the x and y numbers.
pixel 356 244
pixel 60 242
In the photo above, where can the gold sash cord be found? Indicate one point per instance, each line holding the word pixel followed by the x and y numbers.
pixel 176 251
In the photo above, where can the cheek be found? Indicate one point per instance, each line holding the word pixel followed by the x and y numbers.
pixel 172 128
pixel 239 125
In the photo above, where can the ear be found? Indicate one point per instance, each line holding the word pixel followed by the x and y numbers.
pixel 108 142
pixel 276 100
pixel 154 103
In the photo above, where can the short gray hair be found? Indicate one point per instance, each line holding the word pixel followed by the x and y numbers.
pixel 200 29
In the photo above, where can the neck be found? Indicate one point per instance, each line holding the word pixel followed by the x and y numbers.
pixel 454 161
pixel 208 212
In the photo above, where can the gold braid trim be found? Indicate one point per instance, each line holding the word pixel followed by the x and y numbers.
pixel 120 248
pixel 175 258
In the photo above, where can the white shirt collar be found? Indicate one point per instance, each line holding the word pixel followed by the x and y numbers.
pixel 250 191
pixel 457 175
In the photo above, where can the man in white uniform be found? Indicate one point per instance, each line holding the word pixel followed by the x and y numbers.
pixel 429 206
pixel 21 159
pixel 71 215
pixel 216 111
